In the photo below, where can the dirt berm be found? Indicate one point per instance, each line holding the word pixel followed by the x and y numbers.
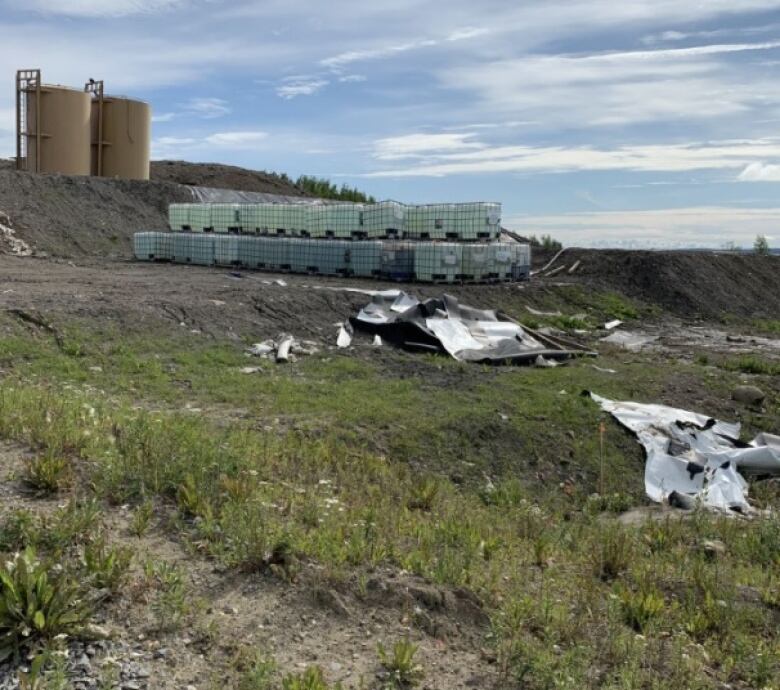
pixel 692 284
pixel 71 217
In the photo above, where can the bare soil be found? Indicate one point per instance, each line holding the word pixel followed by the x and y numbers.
pixel 700 284
pixel 221 176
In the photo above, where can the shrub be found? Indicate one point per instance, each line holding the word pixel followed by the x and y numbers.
pixel 761 245
pixel 47 473
pixel 404 671
pixel 106 565
pixel 310 679
pixel 142 517
pixel 37 604
pixel 17 530
pixel 612 553
pixel 641 607
pixel 423 495
pixel 259 675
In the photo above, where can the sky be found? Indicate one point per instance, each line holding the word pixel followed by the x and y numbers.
pixel 603 123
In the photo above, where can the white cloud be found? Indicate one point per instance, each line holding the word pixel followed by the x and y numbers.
pixel 100 8
pixel 337 62
pixel 619 87
pixel 352 78
pixel 705 226
pixel 300 86
pixel 207 108
pixel 451 159
pixel 183 147
pixel 174 141
pixel 466 33
pixel 422 145
pixel 236 139
pixel 760 172
pixel 163 117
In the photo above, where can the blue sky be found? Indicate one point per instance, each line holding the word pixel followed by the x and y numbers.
pixel 631 123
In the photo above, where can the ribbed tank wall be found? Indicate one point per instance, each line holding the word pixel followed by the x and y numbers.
pixel 64 131
pixel 126 131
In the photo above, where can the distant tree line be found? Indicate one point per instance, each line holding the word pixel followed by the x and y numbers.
pixel 545 242
pixel 325 189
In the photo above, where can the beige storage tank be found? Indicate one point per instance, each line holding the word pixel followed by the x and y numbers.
pixel 57 130
pixel 121 129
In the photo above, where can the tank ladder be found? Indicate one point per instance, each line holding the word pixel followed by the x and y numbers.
pixel 96 89
pixel 27 81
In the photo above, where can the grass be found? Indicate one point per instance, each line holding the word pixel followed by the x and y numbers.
pixel 751 364
pixel 767 326
pixel 347 464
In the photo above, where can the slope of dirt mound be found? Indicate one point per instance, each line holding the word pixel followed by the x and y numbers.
pixel 703 284
pixel 80 216
pixel 223 177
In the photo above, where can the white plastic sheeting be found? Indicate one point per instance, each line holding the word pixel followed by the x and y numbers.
pixel 465 333
pixel 694 458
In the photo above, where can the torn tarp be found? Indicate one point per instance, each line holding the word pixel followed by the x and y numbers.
pixel 467 334
pixel 693 458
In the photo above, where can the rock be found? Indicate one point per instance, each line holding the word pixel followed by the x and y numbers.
pixel 83 665
pixel 230 610
pixel 331 599
pixel 96 632
pixel 714 548
pixel 748 395
pixel 335 666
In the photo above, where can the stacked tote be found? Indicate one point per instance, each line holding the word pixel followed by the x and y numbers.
pixel 404 260
pixel 386 219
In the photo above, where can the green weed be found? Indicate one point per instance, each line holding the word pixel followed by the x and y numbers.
pixel 106 565
pixel 642 607
pixel 400 663
pixel 311 679
pixel 37 603
pixel 142 518
pixel 47 473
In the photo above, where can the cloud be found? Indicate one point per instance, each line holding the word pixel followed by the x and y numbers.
pixel 450 158
pixel 163 117
pixel 174 141
pixel 101 8
pixel 706 226
pixel 618 88
pixel 337 62
pixel 207 108
pixel 236 139
pixel 350 78
pixel 466 33
pixel 300 86
pixel 422 145
pixel 674 36
pixel 760 172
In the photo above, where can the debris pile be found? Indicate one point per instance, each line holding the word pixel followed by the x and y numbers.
pixel 8 237
pixel 285 348
pixel 465 333
pixel 694 459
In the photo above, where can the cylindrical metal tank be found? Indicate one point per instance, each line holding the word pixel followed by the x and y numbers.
pixel 121 129
pixel 60 128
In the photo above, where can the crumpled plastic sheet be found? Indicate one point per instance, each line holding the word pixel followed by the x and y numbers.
pixel 465 333
pixel 692 458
